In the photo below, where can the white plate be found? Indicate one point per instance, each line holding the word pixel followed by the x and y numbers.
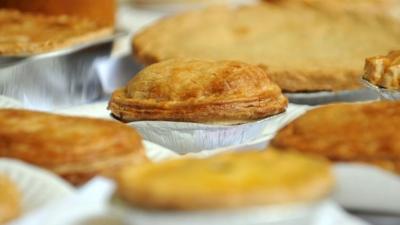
pixel 157 153
pixel 298 214
pixel 38 187
pixel 7 102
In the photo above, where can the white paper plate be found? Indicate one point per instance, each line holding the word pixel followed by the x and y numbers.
pixel 38 187
pixel 299 214
pixel 7 102
pixel 367 188
pixel 157 153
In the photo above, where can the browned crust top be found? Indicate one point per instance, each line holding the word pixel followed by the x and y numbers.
pixel 198 91
pixel 295 43
pixel 27 34
pixel 68 145
pixel 347 132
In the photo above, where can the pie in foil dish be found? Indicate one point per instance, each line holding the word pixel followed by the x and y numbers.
pixel 203 91
pixel 303 48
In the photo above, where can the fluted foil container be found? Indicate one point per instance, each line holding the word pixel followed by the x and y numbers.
pixel 183 137
pixel 384 93
pixel 57 79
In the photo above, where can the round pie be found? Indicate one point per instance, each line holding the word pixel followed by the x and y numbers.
pixel 194 90
pixel 303 48
pixel 390 7
pixel 102 11
pixel 347 132
pixel 24 34
pixel 229 180
pixel 75 148
pixel 10 200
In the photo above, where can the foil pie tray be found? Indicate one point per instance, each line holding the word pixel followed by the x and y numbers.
pixel 56 79
pixel 384 93
pixel 325 97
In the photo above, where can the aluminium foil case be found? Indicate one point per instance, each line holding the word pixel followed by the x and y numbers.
pixel 56 79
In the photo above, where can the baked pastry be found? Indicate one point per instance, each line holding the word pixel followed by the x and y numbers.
pixel 26 34
pixel 303 48
pixel 102 11
pixel 391 7
pixel 10 200
pixel 229 180
pixel 347 132
pixel 203 91
pixel 75 148
pixel 384 71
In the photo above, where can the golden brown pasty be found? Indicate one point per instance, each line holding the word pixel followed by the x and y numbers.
pixel 384 71
pixel 228 180
pixel 347 132
pixel 10 200
pixel 102 11
pixel 198 91
pixel 304 48
pixel 75 148
pixel 27 34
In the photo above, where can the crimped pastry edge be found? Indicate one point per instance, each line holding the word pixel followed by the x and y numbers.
pixel 128 110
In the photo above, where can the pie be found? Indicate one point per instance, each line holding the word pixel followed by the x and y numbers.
pixel 229 180
pixel 201 91
pixel 26 34
pixel 10 200
pixel 365 133
pixel 384 71
pixel 304 49
pixel 75 148
pixel 391 7
pixel 102 11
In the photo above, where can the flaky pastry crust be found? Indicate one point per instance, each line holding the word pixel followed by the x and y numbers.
pixel 304 48
pixel 27 34
pixel 75 148
pixel 390 7
pixel 347 133
pixel 230 180
pixel 198 91
pixel 10 200
pixel 384 71
pixel 102 11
